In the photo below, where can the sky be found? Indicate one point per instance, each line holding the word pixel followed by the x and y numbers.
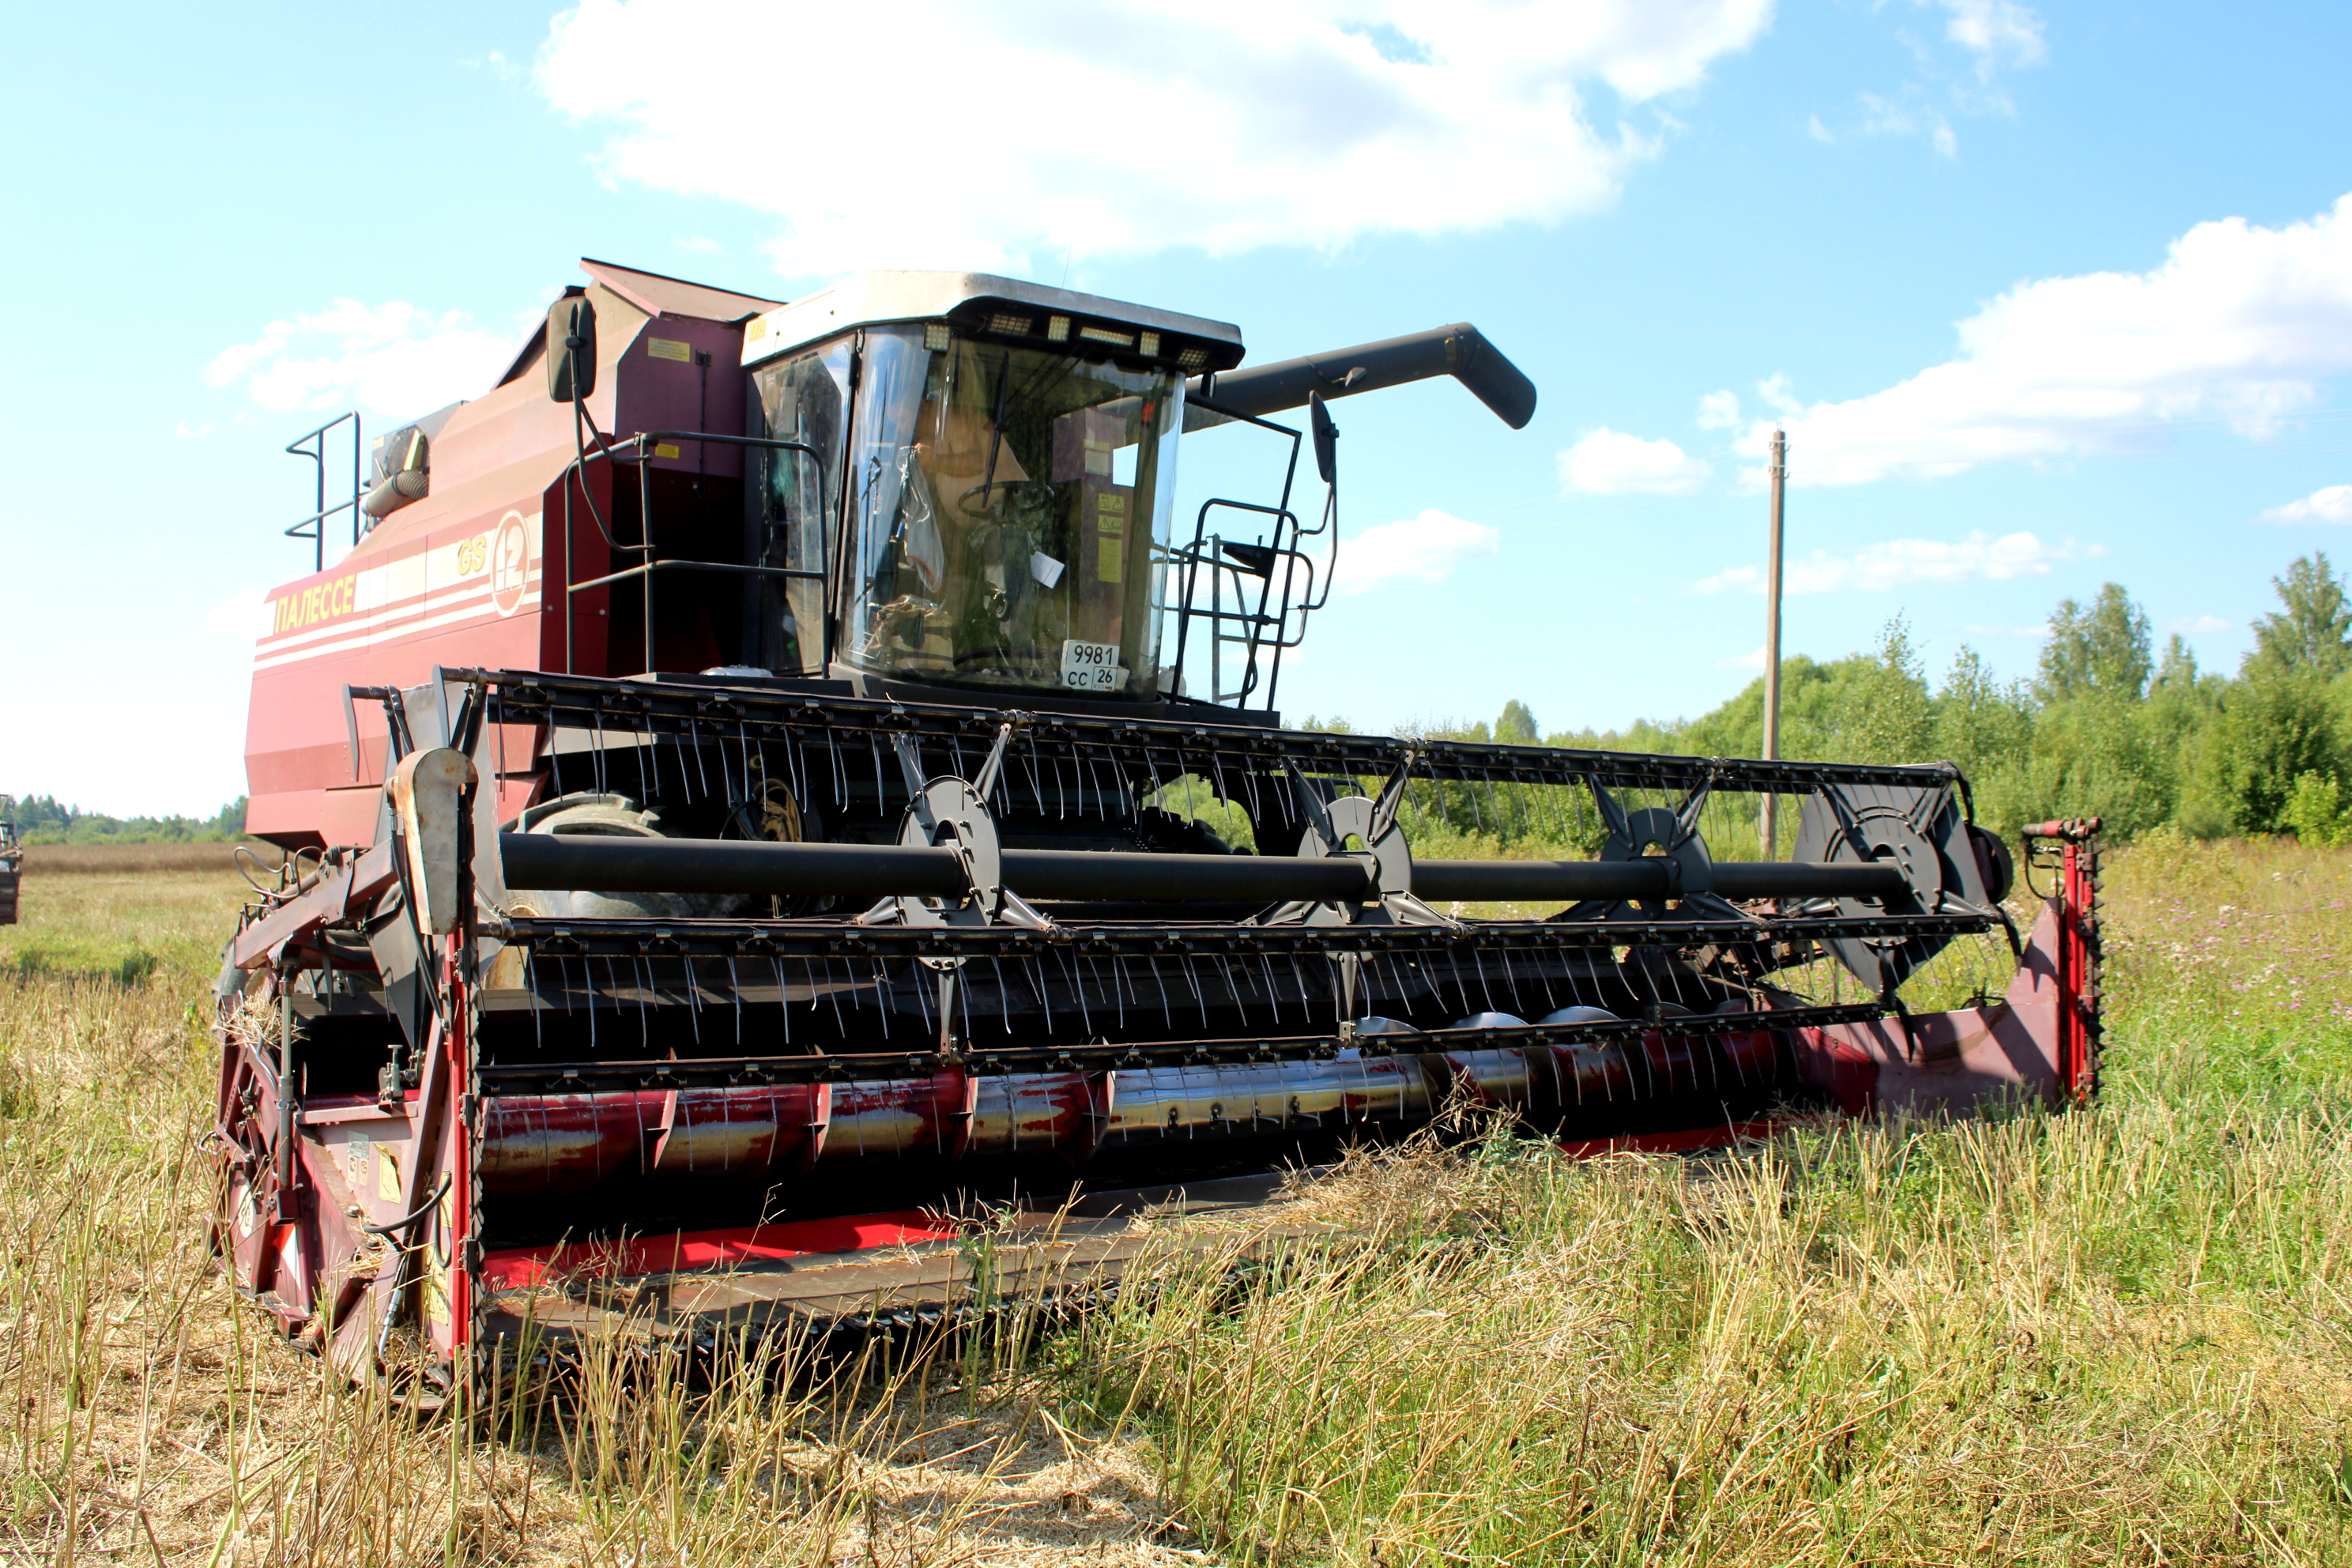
pixel 2044 297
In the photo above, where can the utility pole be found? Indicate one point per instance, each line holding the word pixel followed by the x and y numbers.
pixel 1773 643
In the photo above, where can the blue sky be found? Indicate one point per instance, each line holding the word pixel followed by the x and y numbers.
pixel 2047 298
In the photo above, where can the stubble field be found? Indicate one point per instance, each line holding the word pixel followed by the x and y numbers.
pixel 2118 1336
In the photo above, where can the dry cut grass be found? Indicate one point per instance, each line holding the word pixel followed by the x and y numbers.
pixel 137 859
pixel 2123 1336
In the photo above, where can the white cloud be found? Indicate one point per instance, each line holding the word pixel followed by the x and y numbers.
pixel 2239 325
pixel 1424 549
pixel 1777 393
pixel 1022 131
pixel 244 615
pixel 2332 503
pixel 1719 411
pixel 1609 462
pixel 1998 32
pixel 1992 33
pixel 2192 626
pixel 701 244
pixel 392 360
pixel 1909 116
pixel 1896 561
pixel 1753 659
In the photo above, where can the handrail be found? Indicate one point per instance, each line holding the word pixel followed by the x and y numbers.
pixel 645 441
pixel 314 527
pixel 1192 559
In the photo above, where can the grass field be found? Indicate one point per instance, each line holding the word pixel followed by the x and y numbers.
pixel 2123 1336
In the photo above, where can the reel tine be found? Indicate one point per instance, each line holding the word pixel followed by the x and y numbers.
pixel 1033 971
pixel 650 753
pixel 911 763
pixel 1310 805
pixel 1167 1015
pixel 882 1002
pixel 1078 988
pixel 1384 809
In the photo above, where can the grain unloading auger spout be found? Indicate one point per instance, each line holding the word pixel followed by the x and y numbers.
pixel 481 1061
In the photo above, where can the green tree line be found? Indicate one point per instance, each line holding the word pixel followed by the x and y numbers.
pixel 42 819
pixel 2108 726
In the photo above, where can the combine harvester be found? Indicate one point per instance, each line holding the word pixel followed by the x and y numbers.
pixel 771 780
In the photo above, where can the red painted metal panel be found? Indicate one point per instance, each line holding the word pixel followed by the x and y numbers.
pixel 714 1249
pixel 1677 1143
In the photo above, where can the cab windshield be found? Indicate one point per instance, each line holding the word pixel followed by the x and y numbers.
pixel 1010 512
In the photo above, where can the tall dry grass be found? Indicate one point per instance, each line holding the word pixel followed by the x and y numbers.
pixel 2120 1336
pixel 151 1416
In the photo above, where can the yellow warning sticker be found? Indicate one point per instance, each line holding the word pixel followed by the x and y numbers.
pixel 665 449
pixel 387 1173
pixel 1107 559
pixel 670 348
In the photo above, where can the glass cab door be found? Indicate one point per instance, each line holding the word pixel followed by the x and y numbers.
pixel 1009 513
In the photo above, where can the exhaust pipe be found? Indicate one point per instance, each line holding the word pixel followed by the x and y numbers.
pixel 1460 351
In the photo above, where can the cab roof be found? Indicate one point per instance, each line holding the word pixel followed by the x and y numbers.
pixel 873 299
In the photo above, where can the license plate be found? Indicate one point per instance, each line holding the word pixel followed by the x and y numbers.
pixel 1091 665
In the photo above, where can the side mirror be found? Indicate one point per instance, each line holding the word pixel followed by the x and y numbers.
pixel 1327 437
pixel 570 349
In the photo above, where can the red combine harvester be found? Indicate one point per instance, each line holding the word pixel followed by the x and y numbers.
pixel 770 780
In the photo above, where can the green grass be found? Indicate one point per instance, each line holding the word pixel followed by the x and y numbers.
pixel 2117 1336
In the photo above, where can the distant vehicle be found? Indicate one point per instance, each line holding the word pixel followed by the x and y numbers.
pixel 12 870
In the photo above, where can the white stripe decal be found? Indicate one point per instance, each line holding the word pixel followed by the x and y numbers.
pixel 397 599
pixel 368 637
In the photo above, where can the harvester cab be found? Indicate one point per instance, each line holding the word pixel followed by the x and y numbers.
pixel 769 777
